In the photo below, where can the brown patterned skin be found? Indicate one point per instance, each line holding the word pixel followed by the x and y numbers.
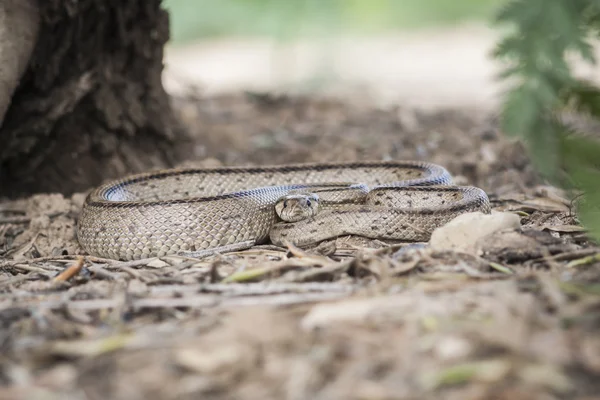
pixel 200 211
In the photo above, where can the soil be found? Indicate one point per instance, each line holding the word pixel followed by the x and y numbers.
pixel 349 319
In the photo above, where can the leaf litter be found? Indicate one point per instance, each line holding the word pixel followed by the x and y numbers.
pixel 352 318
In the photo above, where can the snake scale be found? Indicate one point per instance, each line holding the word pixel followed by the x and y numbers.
pixel 202 211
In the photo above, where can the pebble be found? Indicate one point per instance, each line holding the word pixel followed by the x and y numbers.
pixel 463 232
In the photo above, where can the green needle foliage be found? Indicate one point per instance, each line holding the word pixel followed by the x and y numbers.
pixel 543 36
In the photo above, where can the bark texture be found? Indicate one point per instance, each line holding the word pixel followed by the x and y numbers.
pixel 91 105
pixel 19 25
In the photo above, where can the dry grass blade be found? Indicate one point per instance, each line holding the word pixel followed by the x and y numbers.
pixel 261 273
pixel 90 348
pixel 327 271
pixel 584 261
pixel 501 268
pixel 569 255
pixel 580 290
pixel 479 371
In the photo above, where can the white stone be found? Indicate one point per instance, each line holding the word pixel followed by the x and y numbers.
pixel 464 232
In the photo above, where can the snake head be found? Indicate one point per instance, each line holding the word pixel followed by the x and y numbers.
pixel 296 207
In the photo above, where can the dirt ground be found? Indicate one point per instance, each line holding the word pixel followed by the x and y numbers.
pixel 350 319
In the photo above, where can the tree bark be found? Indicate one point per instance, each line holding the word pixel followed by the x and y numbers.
pixel 91 105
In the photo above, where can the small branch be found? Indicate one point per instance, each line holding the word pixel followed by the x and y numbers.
pixel 70 271
pixel 14 220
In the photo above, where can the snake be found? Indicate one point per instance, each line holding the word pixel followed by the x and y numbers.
pixel 202 211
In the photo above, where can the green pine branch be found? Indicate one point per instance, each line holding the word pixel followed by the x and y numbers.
pixel 544 34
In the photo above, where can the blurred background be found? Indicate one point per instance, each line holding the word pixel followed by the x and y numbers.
pixel 422 53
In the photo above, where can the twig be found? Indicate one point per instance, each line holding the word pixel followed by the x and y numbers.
pixel 22 219
pixel 283 299
pixel 198 301
pixel 402 267
pixel 260 273
pixel 6 209
pixel 14 220
pixel 165 280
pixel 15 279
pixel 70 271
pixel 568 256
pixel 313 274
pixel 102 273
pixel 127 265
pixel 262 288
pixel 133 273
pixel 25 248
pixel 56 259
pixel 31 268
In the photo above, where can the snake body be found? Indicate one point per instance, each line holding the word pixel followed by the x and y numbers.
pixel 194 210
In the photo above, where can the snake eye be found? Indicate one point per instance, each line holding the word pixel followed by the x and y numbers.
pixel 285 204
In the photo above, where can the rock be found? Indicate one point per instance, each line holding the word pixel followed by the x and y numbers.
pixel 78 199
pixel 464 232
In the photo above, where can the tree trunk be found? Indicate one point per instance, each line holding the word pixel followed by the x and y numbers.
pixel 91 104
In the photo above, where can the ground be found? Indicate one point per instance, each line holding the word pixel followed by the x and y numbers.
pixel 351 319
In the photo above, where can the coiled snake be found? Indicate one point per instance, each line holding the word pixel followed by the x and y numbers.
pixel 203 211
